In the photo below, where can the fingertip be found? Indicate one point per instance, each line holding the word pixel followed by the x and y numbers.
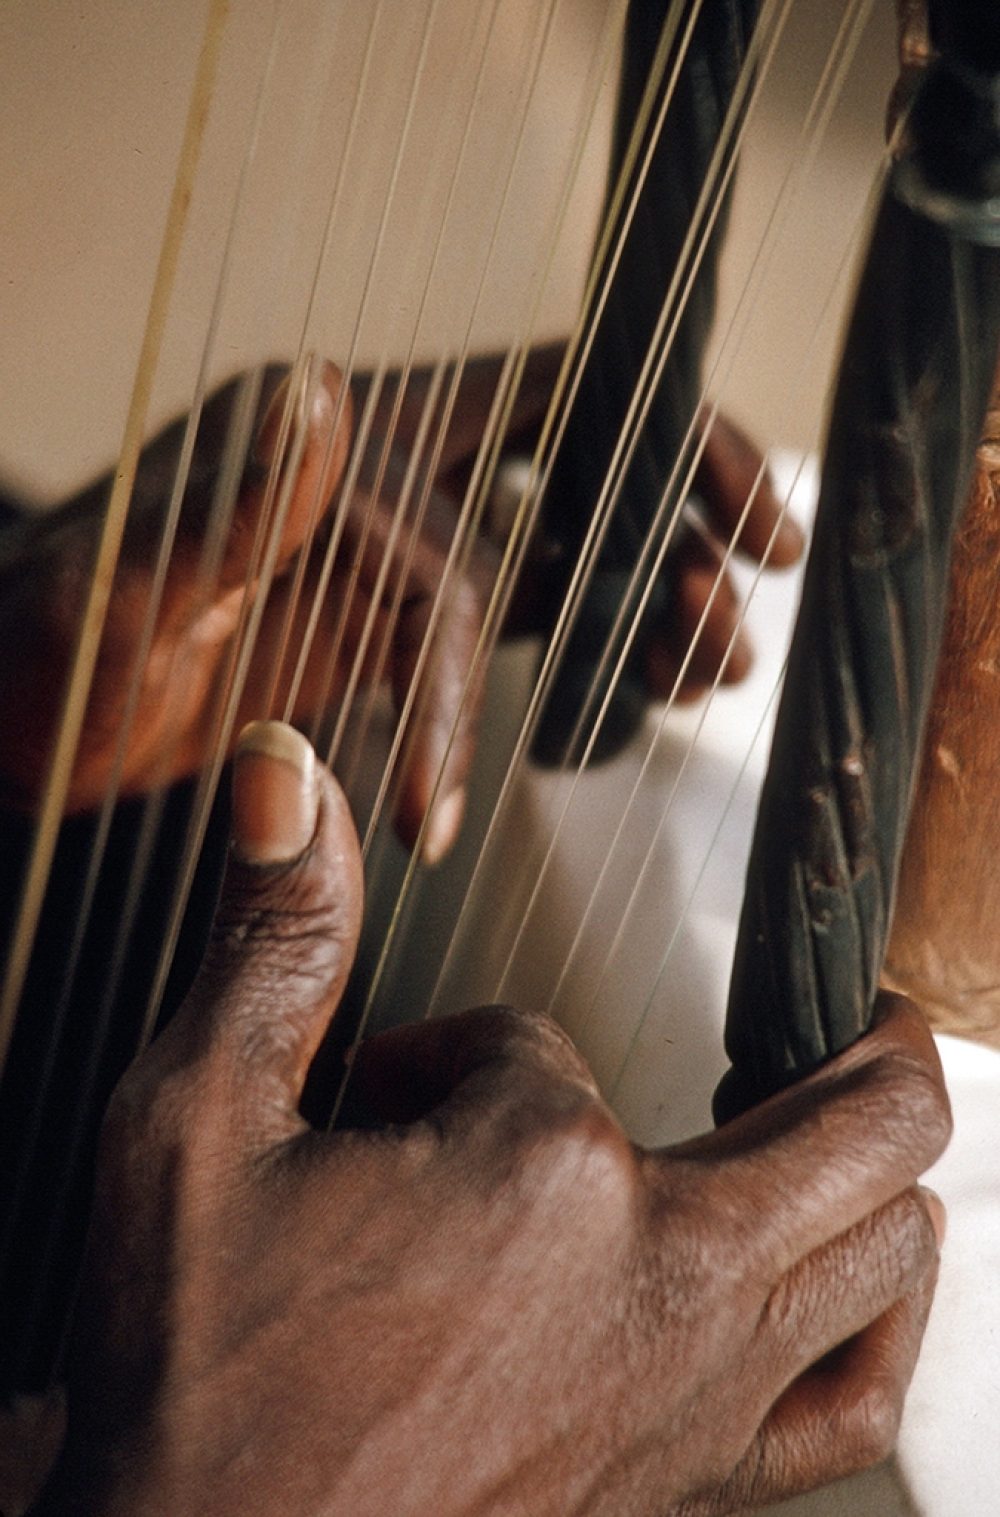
pixel 432 827
pixel 710 614
pixel 307 424
pixel 288 809
pixel 306 403
pixel 895 1016
pixel 275 793
pixel 283 415
pixel 937 1212
pixel 736 659
pixel 443 826
pixel 789 539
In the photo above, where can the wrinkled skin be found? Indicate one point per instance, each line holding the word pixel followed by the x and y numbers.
pixel 384 617
pixel 492 1303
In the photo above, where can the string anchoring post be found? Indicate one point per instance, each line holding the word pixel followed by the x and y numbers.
pixel 912 392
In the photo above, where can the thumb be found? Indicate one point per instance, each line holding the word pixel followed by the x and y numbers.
pixel 286 930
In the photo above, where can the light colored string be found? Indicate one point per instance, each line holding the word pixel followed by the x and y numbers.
pixel 692 894
pixel 85 659
pixel 349 487
pixel 204 586
pixel 488 453
pixel 709 203
pixel 138 871
pixel 464 528
pixel 736 534
pixel 581 1025
pixel 318 503
pixel 102 1016
pixel 538 48
pixel 811 136
pixel 470 510
pixel 565 388
pixel 452 570
pixel 141 654
pixel 604 264
pixel 504 400
pixel 230 473
pixel 350 483
pixel 440 977
pixel 260 578
pixel 675 935
pixel 831 84
pixel 643 399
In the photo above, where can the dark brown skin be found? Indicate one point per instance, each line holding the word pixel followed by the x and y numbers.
pixel 45 571
pixel 493 1304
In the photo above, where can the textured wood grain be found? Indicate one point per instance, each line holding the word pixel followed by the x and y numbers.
pixel 945 945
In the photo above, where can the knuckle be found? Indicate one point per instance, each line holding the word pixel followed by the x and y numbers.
pixel 535 1039
pixel 588 1142
pixel 893 1251
pixel 584 1167
pixel 789 1305
pixel 556 1129
pixel 575 1147
pixel 911 1248
pixel 729 1233
pixel 710 1269
pixel 149 1115
pixel 285 938
pixel 467 601
pixel 870 1418
pixel 918 1097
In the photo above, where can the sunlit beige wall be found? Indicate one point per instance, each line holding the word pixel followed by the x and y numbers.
pixel 92 104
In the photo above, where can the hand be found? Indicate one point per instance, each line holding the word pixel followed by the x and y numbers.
pixel 46 563
pixel 491 1303
pixel 634 639
pixel 45 574
pixel 730 472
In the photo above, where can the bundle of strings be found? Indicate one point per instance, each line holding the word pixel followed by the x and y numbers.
pixel 111 894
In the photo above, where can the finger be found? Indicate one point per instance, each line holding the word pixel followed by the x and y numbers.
pixel 447 704
pixel 300 422
pixel 732 471
pixel 436 668
pixel 818 1158
pixel 841 1417
pixel 470 406
pixel 837 1291
pixel 306 425
pixel 490 1054
pixel 702 589
pixel 285 933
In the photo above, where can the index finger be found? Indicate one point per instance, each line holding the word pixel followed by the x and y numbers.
pixel 731 472
pixel 438 590
pixel 405 1073
pixel 815 1160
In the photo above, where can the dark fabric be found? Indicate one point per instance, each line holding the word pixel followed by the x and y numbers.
pixel 968 28
pixel 71 1042
pixel 9 512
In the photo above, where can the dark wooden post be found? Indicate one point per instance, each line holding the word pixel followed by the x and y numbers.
pixel 912 394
